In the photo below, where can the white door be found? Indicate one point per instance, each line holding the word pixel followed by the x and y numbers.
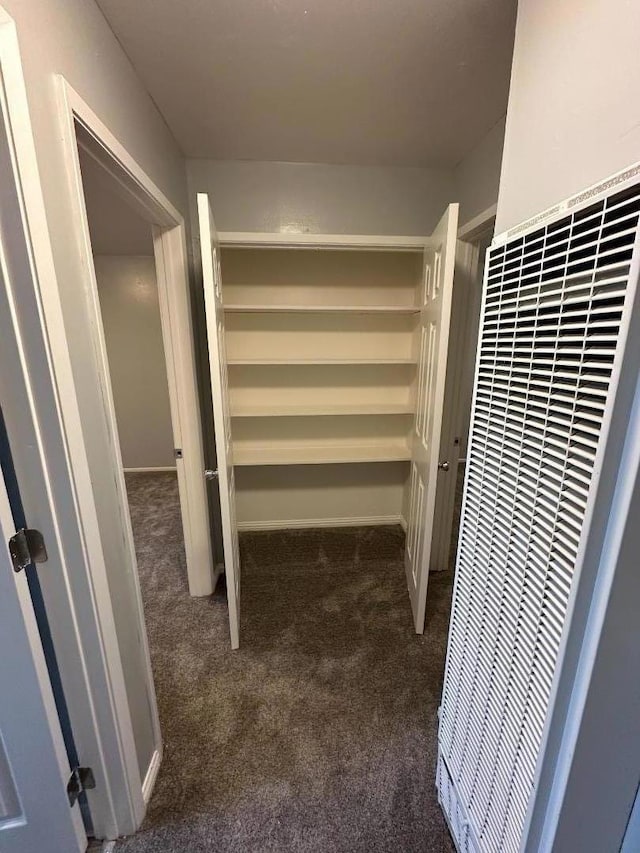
pixel 34 769
pixel 433 343
pixel 463 341
pixel 212 283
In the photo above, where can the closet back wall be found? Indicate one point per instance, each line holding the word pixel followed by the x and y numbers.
pixel 321 199
pixel 133 334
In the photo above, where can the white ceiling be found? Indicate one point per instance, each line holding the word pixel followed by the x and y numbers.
pixel 375 82
pixel 115 228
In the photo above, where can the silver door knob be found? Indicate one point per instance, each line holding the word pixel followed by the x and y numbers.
pixel 210 474
pixel 443 466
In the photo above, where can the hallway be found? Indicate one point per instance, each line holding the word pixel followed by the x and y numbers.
pixel 313 736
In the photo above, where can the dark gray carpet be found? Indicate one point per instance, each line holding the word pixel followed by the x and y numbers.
pixel 320 733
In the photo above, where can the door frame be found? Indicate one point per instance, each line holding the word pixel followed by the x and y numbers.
pixel 463 345
pixel 42 418
pixel 42 412
pixel 81 127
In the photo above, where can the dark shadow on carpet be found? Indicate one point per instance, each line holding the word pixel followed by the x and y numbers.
pixel 319 734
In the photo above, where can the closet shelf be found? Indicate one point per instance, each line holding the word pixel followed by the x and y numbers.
pixel 236 308
pixel 268 454
pixel 274 411
pixel 322 361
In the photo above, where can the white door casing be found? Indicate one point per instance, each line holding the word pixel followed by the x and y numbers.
pixel 212 283
pixel 433 343
pixel 34 769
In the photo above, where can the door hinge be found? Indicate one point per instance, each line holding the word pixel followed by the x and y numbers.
pixel 26 547
pixel 81 779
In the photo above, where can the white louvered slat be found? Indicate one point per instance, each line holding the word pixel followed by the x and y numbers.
pixel 553 313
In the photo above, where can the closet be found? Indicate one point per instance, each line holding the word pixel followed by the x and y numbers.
pixel 322 357
pixel 330 353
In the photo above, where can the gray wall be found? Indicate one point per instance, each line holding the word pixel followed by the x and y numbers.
pixel 318 198
pixel 574 113
pixel 476 178
pixel 72 38
pixel 133 334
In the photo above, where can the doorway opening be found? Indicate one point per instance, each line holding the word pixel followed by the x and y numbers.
pixel 128 334
pixel 154 511
pixel 465 320
pixel 142 412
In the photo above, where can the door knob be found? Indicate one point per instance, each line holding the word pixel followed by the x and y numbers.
pixel 443 466
pixel 210 474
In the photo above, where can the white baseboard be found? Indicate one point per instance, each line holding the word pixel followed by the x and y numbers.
pixel 301 523
pixel 159 470
pixel 403 523
pixel 152 774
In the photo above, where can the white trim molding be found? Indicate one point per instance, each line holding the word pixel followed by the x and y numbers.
pixel 477 226
pixel 81 127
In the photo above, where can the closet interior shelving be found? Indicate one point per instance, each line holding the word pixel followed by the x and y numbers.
pixel 322 360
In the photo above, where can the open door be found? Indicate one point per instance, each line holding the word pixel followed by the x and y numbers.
pixel 34 807
pixel 435 316
pixel 212 283
pixel 456 411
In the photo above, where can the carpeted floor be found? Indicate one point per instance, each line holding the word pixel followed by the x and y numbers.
pixel 320 733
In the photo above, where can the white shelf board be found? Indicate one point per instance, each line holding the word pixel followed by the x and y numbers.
pixel 237 308
pixel 295 240
pixel 268 454
pixel 320 361
pixel 274 411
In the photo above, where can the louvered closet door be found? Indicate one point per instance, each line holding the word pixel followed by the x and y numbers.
pixel 553 321
pixel 435 316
